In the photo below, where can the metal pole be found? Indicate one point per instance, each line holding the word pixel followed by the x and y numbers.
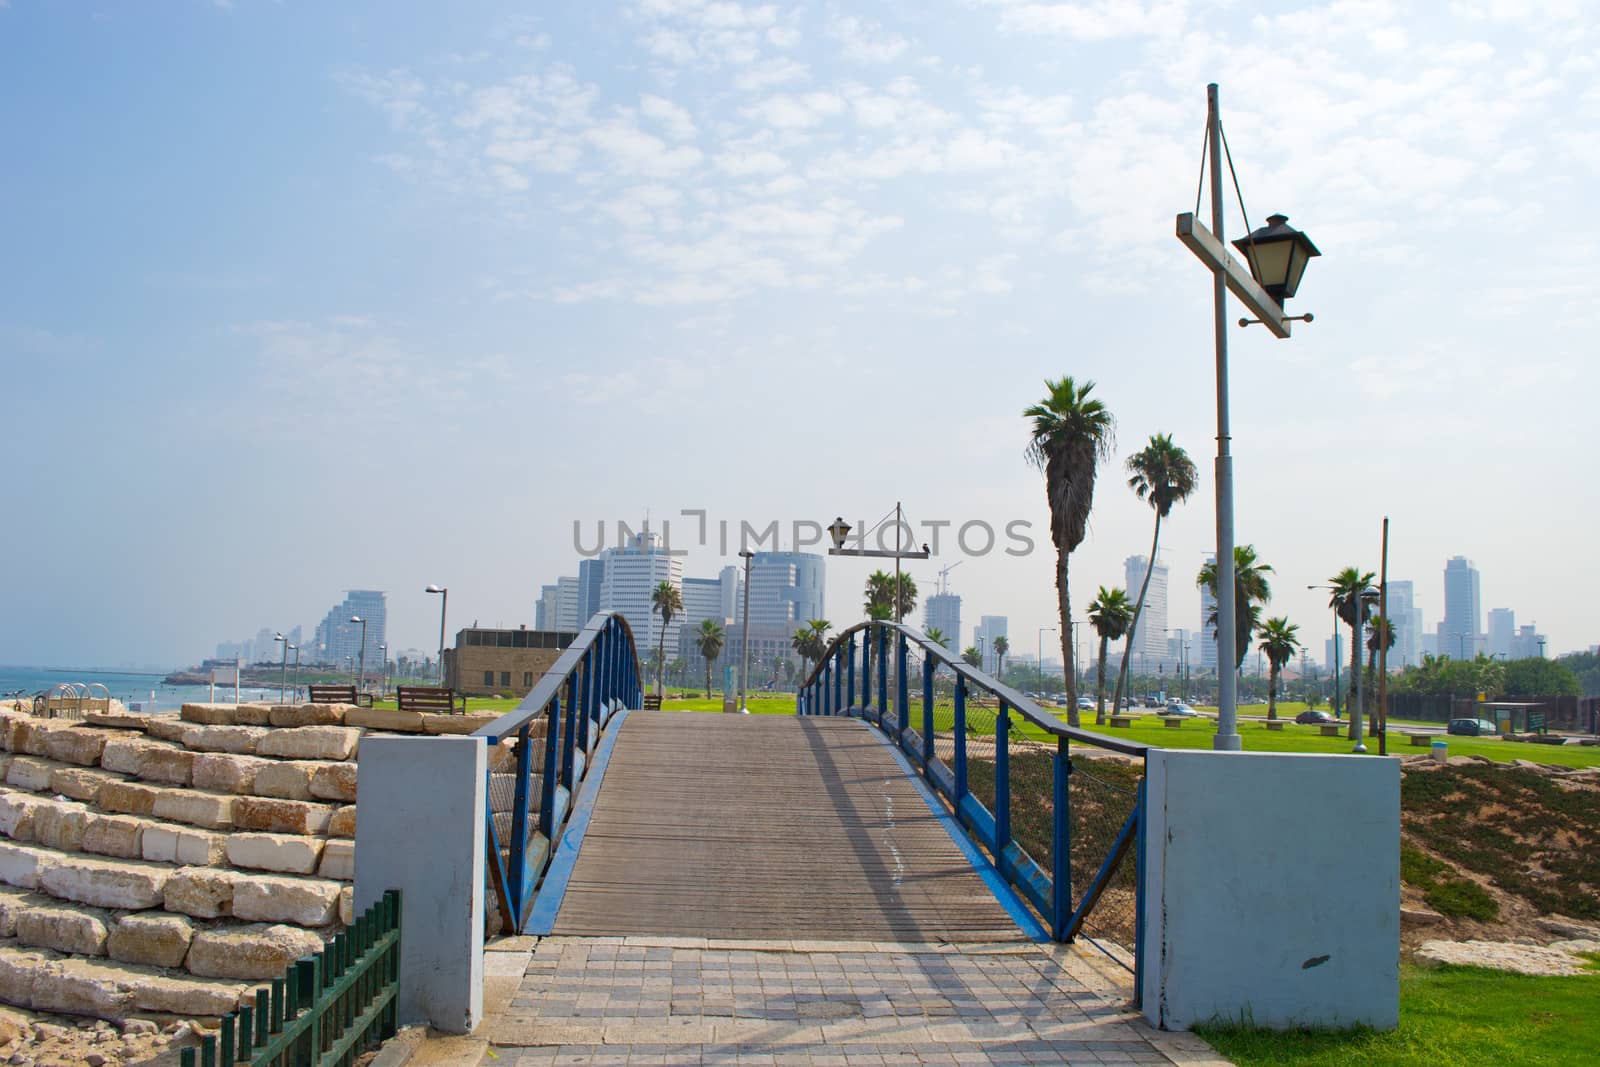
pixel 897 561
pixel 363 668
pixel 444 604
pixel 1356 712
pixel 283 671
pixel 1380 717
pixel 1227 738
pixel 744 655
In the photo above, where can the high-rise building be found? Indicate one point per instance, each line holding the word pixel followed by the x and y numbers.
pixel 1459 632
pixel 1208 631
pixel 1501 631
pixel 943 613
pixel 591 575
pixel 631 576
pixel 785 590
pixel 1150 636
pixel 342 638
pixel 1526 644
pixel 546 608
pixel 989 627
pixel 1405 619
pixel 712 598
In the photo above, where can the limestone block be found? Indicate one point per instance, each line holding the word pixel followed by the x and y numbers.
pixel 131 884
pixel 81 987
pixel 28 772
pixel 172 765
pixel 60 824
pixel 80 783
pixel 80 931
pixel 257 951
pixel 19 974
pixel 76 744
pixel 126 754
pixel 311 742
pixel 239 740
pixel 286 780
pixel 28 737
pixel 302 901
pixel 9 722
pixel 13 902
pixel 280 816
pixel 435 723
pixel 23 866
pixel 5 765
pixel 115 835
pixel 152 938
pixel 214 811
pixel 338 861
pixel 223 773
pixel 16 815
pixel 204 892
pixel 405 722
pixel 334 781
pixel 343 822
pixel 165 843
pixel 309 714
pixel 288 853
pixel 117 720
pixel 347 905
pixel 168 728
pixel 226 714
pixel 130 798
pixel 188 997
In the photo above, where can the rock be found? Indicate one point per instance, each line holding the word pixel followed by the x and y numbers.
pixel 168 728
pixel 281 816
pixel 14 902
pixel 23 866
pixel 1419 916
pixel 114 720
pixel 1502 956
pixel 1562 926
pixel 435 723
pixel 236 740
pixel 214 811
pixel 124 754
pixel 302 901
pixel 94 1059
pixel 288 780
pixel 79 987
pixel 173 844
pixel 175 995
pixel 222 773
pixel 76 744
pixel 139 1026
pixel 251 952
pixel 311 742
pixel 287 853
pixel 28 737
pixel 16 815
pixel 60 824
pixel 343 822
pixel 114 835
pixel 130 798
pixel 338 861
pixel 406 722
pixel 151 938
pixel 131 884
pixel 30 773
pixel 204 892
pixel 19 974
pixel 347 905
pixel 80 783
pixel 10 1028
pixel 1578 946
pixel 290 715
pixel 334 781
pixel 172 765
pixel 79 931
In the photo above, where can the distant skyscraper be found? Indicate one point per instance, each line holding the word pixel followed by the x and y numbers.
pixel 591 575
pixel 1150 637
pixel 711 598
pixel 631 576
pixel 944 614
pixel 1527 644
pixel 1502 630
pixel 1208 632
pixel 343 637
pixel 785 590
pixel 989 627
pixel 1406 621
pixel 1458 633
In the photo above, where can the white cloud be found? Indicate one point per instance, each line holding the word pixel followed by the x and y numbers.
pixel 865 41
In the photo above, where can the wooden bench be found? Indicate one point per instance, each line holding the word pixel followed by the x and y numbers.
pixel 652 702
pixel 338 694
pixel 1121 721
pixel 1274 724
pixel 1422 740
pixel 427 698
pixel 1174 721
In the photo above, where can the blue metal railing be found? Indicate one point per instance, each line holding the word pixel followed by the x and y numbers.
pixel 968 745
pixel 552 733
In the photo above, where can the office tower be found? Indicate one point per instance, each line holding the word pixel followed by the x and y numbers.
pixel 712 598
pixel 631 576
pixel 943 613
pixel 785 590
pixel 343 638
pixel 989 627
pixel 1502 629
pixel 1208 630
pixel 1458 633
pixel 591 575
pixel 1150 637
pixel 1527 643
pixel 1406 620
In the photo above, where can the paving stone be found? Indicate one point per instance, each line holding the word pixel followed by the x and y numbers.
pixel 214 811
pixel 255 952
pixel 287 853
pixel 129 798
pixel 23 866
pixel 272 898
pixel 152 938
pixel 203 892
pixel 222 773
pixel 130 884
pixel 334 781
pixel 238 740
pixel 343 822
pixel 285 779
pixel 75 744
pixel 114 835
pixel 311 742
pixel 30 773
pixel 281 816
pixel 81 783
pixel 291 715
pixel 172 765
pixel 338 861
pixel 80 931
pixel 166 843
pixel 60 824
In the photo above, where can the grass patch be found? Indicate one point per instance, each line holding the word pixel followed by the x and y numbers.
pixel 1447 1016
pixel 1443 891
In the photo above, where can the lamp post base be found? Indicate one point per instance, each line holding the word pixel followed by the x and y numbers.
pixel 1227 743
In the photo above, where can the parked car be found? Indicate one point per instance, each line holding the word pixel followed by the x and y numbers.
pixel 1315 716
pixel 1178 709
pixel 1085 704
pixel 1472 728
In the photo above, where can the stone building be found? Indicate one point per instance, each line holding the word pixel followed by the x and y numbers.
pixel 490 662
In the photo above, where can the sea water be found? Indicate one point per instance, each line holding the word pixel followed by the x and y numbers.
pixel 127 686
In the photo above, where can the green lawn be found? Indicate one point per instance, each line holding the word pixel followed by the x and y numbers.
pixel 1452 1015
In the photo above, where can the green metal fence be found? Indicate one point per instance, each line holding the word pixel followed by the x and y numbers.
pixel 326 1010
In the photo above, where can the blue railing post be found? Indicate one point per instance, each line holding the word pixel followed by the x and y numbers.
pixel 569 733
pixel 850 675
pixel 959 728
pixel 900 686
pixel 1002 779
pixel 585 685
pixel 519 825
pixel 866 671
pixel 838 681
pixel 547 788
pixel 927 715
pixel 1061 845
pixel 883 672
pixel 1138 901
pixel 827 689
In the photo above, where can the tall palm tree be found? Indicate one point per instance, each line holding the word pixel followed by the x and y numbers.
pixel 1352 598
pixel 709 639
pixel 1376 626
pixel 935 635
pixel 1071 434
pixel 1279 641
pixel 971 656
pixel 1111 615
pixel 1162 475
pixel 1001 647
pixel 668 600
pixel 1250 592
pixel 810 642
pixel 880 594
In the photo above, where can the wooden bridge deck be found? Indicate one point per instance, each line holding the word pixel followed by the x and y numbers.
pixel 750 827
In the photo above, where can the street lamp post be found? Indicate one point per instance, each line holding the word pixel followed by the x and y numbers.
pixel 1040 651
pixel 383 686
pixel 744 650
pixel 296 671
pixel 1277 256
pixel 444 603
pixel 839 530
pixel 363 675
pixel 283 669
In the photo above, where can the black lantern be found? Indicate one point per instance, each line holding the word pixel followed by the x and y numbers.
pixel 1277 254
pixel 839 530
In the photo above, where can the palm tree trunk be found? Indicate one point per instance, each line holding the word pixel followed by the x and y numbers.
pixel 708 677
pixel 1138 607
pixel 1100 686
pixel 1064 608
pixel 661 660
pixel 1272 692
pixel 1355 666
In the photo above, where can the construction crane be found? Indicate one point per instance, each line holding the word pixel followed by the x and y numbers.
pixel 944 583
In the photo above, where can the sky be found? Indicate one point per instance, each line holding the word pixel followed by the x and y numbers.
pixel 302 297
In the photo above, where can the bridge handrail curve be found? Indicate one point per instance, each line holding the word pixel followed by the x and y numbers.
pixel 550 685
pixel 1015 699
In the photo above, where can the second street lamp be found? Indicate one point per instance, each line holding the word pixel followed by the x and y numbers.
pixel 444 603
pixel 362 677
pixel 838 529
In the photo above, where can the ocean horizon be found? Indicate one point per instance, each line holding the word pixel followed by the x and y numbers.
pixel 145 688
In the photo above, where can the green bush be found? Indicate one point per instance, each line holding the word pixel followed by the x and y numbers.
pixel 1459 898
